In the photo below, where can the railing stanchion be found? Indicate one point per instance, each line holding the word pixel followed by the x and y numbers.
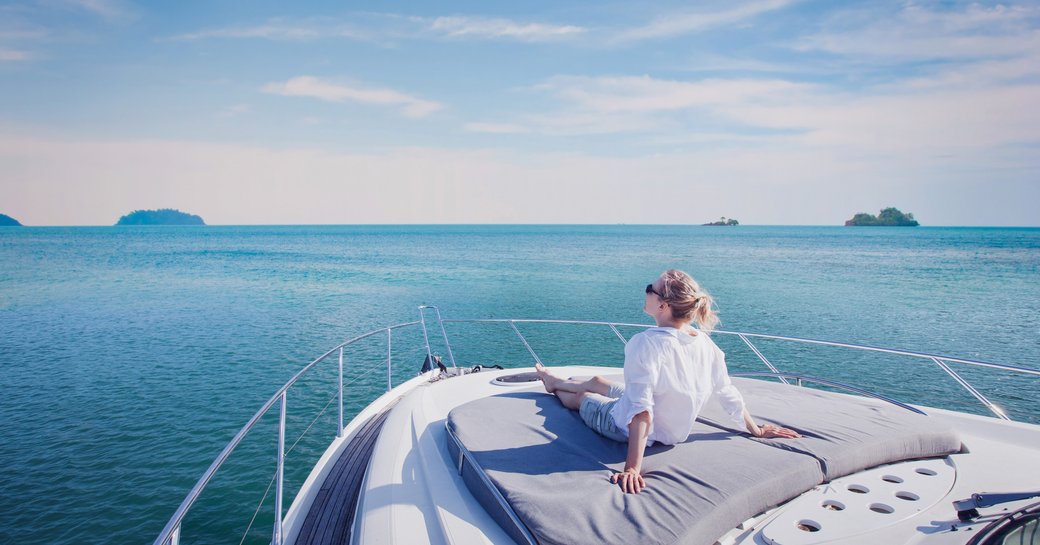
pixel 763 358
pixel 339 430
pixel 279 478
pixel 444 334
pixel 971 389
pixel 523 340
pixel 426 336
pixel 451 355
pixel 619 335
pixel 175 537
pixel 388 364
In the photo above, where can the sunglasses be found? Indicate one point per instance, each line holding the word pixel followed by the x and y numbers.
pixel 650 289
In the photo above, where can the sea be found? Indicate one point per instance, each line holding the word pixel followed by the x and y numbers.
pixel 130 356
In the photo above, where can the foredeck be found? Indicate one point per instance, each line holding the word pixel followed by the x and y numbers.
pixel 332 513
pixel 531 462
pixel 324 511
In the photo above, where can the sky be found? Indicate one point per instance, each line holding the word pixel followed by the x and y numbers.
pixel 774 112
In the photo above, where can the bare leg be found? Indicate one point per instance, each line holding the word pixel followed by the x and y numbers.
pixel 570 400
pixel 556 385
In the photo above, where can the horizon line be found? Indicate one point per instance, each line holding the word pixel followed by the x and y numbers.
pixel 619 224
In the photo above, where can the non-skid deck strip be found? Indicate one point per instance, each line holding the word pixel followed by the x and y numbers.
pixel 332 513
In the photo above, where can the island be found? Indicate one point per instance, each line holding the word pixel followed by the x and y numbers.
pixel 723 221
pixel 8 221
pixel 163 216
pixel 889 217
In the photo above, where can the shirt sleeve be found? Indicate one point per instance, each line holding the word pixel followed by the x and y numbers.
pixel 641 370
pixel 724 390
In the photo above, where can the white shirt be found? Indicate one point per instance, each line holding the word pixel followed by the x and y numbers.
pixel 672 374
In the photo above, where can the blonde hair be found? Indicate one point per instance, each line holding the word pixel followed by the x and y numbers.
pixel 687 300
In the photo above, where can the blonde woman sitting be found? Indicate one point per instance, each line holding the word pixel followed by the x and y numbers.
pixel 670 372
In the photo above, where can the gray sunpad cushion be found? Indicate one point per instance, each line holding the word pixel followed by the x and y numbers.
pixel 845 433
pixel 554 473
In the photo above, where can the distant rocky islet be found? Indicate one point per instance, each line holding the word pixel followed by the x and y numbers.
pixel 163 216
pixel 888 217
pixel 8 221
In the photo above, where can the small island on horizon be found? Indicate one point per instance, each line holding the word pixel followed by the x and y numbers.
pixel 889 217
pixel 723 222
pixel 163 216
pixel 8 221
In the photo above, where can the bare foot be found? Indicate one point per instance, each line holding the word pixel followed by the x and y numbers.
pixel 547 378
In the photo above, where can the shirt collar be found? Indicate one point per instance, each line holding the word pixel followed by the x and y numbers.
pixel 679 334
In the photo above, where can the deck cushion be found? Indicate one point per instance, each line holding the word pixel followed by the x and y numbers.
pixel 553 473
pixel 845 433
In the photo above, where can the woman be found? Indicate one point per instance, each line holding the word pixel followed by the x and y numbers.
pixel 670 372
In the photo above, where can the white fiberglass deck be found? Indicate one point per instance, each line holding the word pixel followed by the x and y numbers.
pixel 413 493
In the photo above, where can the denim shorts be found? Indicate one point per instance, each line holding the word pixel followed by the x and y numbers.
pixel 595 412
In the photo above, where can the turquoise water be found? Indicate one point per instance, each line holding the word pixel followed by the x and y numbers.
pixel 130 356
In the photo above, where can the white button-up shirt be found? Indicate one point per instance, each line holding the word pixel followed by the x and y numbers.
pixel 672 374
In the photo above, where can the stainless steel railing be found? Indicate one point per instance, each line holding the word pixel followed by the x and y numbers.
pixel 941 361
pixel 171 532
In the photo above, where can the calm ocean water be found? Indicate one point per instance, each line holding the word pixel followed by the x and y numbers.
pixel 130 356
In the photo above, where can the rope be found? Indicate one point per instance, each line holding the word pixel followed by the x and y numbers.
pixel 257 512
pixel 327 405
pixel 334 396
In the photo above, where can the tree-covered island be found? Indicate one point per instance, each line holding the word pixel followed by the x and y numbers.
pixel 163 216
pixel 889 217
pixel 8 221
pixel 723 221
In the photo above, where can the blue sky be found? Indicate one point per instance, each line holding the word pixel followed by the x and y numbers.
pixel 769 111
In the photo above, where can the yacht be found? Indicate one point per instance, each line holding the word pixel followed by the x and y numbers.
pixel 481 454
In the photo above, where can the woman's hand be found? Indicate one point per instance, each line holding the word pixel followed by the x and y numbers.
pixel 770 431
pixel 630 480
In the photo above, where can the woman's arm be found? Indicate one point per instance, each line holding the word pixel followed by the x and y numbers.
pixel 768 430
pixel 630 479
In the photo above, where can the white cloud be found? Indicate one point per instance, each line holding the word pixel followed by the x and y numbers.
pixel 7 55
pixel 646 94
pixel 375 26
pixel 104 8
pixel 280 30
pixel 112 10
pixel 972 121
pixel 899 119
pixel 974 16
pixel 574 123
pixel 916 33
pixel 235 110
pixel 308 86
pixel 69 180
pixel 686 22
pixel 593 123
pixel 641 104
pixel 710 62
pixel 14 34
pixel 20 39
pixel 480 27
pixel 984 73
pixel 495 128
